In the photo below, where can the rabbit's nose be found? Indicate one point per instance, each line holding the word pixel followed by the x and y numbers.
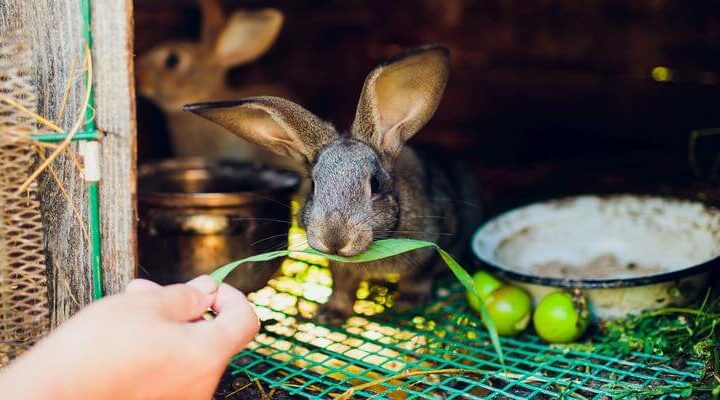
pixel 334 242
pixel 329 243
pixel 330 236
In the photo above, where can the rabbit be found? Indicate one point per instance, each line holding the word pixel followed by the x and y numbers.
pixel 366 184
pixel 176 73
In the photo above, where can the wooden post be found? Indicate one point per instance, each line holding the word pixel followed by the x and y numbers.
pixel 112 29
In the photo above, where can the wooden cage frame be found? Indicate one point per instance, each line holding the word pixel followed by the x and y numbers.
pixel 50 25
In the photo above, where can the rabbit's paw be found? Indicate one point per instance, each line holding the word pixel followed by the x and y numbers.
pixel 413 293
pixel 332 314
pixel 408 301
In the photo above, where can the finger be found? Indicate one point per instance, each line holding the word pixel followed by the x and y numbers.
pixel 139 285
pixel 236 323
pixel 204 284
pixel 183 303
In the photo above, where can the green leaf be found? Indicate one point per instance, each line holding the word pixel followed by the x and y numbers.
pixel 466 280
pixel 221 273
pixel 376 251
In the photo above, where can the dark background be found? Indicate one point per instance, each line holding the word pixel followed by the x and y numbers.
pixel 545 98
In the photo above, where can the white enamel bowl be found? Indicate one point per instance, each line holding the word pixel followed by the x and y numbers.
pixel 626 253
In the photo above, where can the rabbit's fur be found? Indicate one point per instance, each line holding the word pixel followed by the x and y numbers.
pixel 366 184
pixel 173 74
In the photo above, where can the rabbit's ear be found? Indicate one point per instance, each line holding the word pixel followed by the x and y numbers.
pixel 274 123
pixel 247 36
pixel 400 96
pixel 213 20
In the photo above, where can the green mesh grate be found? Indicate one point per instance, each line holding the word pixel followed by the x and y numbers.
pixel 307 360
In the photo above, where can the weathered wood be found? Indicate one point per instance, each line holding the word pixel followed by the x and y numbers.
pixel 53 29
pixel 56 42
pixel 112 30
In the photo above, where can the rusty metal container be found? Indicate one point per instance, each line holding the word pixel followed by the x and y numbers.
pixel 198 214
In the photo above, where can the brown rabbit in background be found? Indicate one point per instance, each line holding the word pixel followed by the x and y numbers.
pixel 366 184
pixel 176 73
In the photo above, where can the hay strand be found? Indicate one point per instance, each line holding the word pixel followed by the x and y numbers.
pixel 32 114
pixel 68 139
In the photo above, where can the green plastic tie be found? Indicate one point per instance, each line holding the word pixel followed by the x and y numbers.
pixel 95 240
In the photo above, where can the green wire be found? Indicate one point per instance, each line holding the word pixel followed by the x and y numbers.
pixel 59 137
pixel 93 187
pixel 89 111
pixel 96 245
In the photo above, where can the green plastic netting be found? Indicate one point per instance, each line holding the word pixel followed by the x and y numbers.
pixel 307 360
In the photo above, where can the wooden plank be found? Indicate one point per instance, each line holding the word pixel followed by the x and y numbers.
pixel 112 30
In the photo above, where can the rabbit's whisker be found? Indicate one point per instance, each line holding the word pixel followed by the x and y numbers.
pixel 280 246
pixel 413 261
pixel 270 199
pixel 259 219
pixel 364 220
pixel 424 216
pixel 418 231
pixel 467 203
pixel 268 238
pixel 304 244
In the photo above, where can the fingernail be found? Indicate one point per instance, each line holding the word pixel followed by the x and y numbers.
pixel 204 284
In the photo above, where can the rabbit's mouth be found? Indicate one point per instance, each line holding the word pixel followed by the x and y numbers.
pixel 359 243
pixel 331 240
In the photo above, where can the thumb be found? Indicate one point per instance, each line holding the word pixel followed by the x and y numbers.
pixel 236 323
pixel 185 302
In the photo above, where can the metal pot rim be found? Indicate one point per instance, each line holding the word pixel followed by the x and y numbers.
pixel 508 273
pixel 289 183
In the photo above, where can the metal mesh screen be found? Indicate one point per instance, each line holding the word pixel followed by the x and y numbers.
pixel 393 355
pixel 24 313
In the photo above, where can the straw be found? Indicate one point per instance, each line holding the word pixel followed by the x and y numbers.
pixel 70 134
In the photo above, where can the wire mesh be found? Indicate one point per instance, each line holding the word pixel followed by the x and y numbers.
pixel 439 351
pixel 24 313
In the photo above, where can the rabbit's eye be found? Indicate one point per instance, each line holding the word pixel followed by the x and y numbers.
pixel 375 187
pixel 172 60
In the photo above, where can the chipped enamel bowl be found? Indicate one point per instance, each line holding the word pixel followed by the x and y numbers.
pixel 625 253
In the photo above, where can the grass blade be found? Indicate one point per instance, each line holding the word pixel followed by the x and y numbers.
pixel 378 250
pixel 221 273
pixel 466 280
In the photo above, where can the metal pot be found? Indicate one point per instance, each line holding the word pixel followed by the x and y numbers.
pixel 198 214
pixel 625 253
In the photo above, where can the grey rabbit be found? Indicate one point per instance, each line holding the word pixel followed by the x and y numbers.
pixel 366 184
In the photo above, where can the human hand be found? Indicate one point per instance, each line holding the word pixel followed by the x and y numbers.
pixel 147 343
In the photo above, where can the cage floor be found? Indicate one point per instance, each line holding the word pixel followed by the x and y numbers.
pixel 437 352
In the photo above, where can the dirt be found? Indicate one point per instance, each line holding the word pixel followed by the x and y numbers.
pixel 240 387
pixel 601 267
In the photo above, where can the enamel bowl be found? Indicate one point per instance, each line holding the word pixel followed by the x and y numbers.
pixel 625 253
